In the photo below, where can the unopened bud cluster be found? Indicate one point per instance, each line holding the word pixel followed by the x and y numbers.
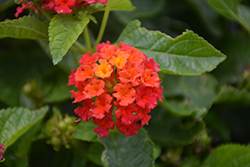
pixel 60 130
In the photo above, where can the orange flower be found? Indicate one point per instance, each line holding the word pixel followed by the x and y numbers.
pixel 83 72
pixel 107 51
pixel 150 78
pixel 94 88
pixel 103 70
pixel 125 94
pixel 120 78
pixel 119 59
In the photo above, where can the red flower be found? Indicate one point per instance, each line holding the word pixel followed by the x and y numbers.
pixel 116 77
pixel 129 130
pixel 1 151
pixel 102 105
pixel 105 124
pixel 58 6
pixel 24 6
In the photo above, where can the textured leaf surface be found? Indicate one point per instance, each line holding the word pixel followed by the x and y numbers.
pixel 188 54
pixel 63 32
pixel 232 9
pixel 229 156
pixel 25 28
pixel 122 151
pixel 16 121
pixel 173 131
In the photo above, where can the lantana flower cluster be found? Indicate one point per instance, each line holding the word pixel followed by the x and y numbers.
pixel 122 79
pixel 58 6
pixel 1 151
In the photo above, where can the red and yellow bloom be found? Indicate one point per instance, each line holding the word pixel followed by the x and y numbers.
pixel 116 77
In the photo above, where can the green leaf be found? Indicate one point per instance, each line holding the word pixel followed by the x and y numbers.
pixel 227 8
pixel 63 32
pixel 232 155
pixel 130 151
pixel 196 94
pixel 85 131
pixel 121 5
pixel 233 97
pixel 232 9
pixel 25 28
pixel 188 54
pixel 95 153
pixel 16 121
pixel 244 14
pixel 169 130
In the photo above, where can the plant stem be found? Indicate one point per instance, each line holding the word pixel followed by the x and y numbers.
pixel 75 57
pixel 86 37
pixel 80 47
pixel 104 22
pixel 43 11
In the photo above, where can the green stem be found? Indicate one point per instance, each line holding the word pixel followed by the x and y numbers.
pixel 75 57
pixel 86 37
pixel 80 47
pixel 43 11
pixel 104 22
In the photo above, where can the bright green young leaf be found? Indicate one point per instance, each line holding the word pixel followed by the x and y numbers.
pixel 63 32
pixel 121 5
pixel 188 54
pixel 232 9
pixel 16 121
pixel 25 28
pixel 232 155
pixel 130 151
pixel 85 131
pixel 169 130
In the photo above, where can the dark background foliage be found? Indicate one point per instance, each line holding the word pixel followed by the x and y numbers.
pixel 216 104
